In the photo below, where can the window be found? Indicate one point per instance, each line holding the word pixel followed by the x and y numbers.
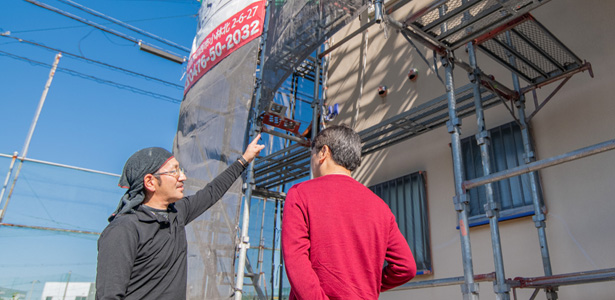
pixel 407 199
pixel 81 298
pixel 513 194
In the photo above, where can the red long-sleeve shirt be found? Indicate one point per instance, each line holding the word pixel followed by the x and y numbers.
pixel 336 236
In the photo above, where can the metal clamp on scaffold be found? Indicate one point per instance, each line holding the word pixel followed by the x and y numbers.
pixel 451 124
pixel 448 59
pixel 483 137
pixel 492 209
pixel 474 76
pixel 501 288
pixel 471 288
pixel 460 201
pixel 539 219
pixel 245 243
pixel 528 157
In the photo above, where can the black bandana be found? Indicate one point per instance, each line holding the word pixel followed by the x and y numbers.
pixel 143 162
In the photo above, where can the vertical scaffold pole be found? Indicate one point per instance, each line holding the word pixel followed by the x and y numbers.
pixel 31 131
pixel 461 201
pixel 470 288
pixel 492 207
pixel 6 182
pixel 316 103
pixel 281 266
pixel 261 244
pixel 275 220
pixel 529 156
pixel 244 242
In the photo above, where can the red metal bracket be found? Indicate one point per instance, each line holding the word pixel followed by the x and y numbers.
pixel 281 122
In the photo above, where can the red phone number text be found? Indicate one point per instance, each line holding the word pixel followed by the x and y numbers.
pixel 237 31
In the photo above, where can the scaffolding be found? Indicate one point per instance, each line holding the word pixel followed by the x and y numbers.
pixel 506 32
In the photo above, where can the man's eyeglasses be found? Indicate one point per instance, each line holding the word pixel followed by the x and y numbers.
pixel 175 173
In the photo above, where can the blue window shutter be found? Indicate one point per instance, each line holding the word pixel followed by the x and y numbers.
pixel 406 196
pixel 513 194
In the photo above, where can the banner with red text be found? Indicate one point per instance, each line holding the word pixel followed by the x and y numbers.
pixel 212 134
pixel 229 35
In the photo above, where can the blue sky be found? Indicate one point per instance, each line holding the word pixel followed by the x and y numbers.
pixel 83 123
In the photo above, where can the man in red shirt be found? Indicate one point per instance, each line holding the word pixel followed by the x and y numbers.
pixel 336 233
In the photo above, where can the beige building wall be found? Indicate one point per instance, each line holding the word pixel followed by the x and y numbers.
pixel 579 195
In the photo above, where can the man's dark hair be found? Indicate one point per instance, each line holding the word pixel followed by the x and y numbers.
pixel 344 143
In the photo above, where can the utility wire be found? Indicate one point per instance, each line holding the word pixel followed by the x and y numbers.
pixel 96 62
pixel 93 24
pixel 80 26
pixel 96 79
pixel 127 26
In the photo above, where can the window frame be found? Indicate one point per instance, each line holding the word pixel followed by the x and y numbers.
pixel 505 140
pixel 417 184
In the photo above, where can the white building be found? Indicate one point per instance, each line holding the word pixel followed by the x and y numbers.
pixel 69 291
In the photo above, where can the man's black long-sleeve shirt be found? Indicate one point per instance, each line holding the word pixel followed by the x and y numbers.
pixel 142 255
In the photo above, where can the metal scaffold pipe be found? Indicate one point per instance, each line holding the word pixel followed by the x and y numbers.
pixel 541 164
pixel 565 279
pixel 317 103
pixel 448 281
pixel 539 217
pixel 244 240
pixel 492 208
pixel 469 288
pixel 275 220
pixel 6 182
pixel 31 131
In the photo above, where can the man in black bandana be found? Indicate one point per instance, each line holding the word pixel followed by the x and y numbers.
pixel 142 252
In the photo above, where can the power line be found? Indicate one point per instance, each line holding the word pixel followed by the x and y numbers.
pixel 82 20
pixel 80 26
pixel 127 26
pixel 96 62
pixel 96 79
pixel 47 265
pixel 95 25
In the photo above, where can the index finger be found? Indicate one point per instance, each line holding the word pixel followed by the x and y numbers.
pixel 255 140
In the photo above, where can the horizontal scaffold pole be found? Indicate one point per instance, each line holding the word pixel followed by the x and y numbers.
pixel 447 281
pixel 541 164
pixel 49 228
pixel 564 279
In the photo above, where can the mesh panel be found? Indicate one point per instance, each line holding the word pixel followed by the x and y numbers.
pixel 535 33
pixel 490 18
pixel 538 54
pixel 434 15
pixel 530 53
pixel 458 17
pixel 295 30
pixel 457 21
pixel 57 198
pixel 211 131
pixel 523 68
